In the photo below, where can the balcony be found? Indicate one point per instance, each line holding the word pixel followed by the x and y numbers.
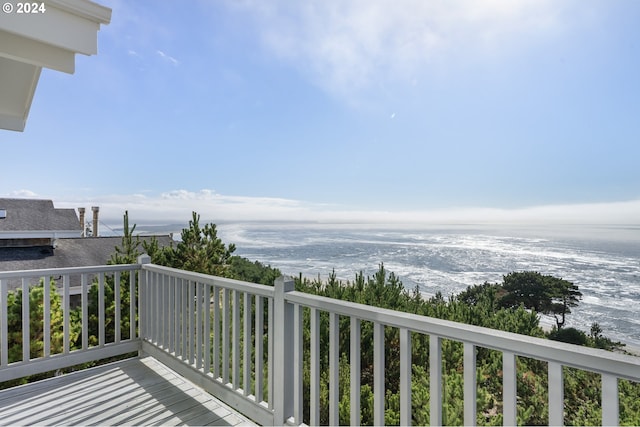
pixel 247 346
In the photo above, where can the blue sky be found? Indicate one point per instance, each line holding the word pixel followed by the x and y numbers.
pixel 435 111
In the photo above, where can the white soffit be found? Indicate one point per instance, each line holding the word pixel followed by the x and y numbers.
pixel 50 39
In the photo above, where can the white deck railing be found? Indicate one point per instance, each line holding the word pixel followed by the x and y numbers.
pixel 244 343
pixel 74 351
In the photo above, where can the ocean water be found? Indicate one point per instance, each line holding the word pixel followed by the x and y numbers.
pixel 603 261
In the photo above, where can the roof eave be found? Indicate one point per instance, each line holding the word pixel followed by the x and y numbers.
pixel 30 42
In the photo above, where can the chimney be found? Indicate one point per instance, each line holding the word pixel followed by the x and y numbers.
pixel 95 210
pixel 81 212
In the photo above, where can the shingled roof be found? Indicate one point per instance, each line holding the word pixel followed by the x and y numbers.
pixel 36 215
pixel 74 252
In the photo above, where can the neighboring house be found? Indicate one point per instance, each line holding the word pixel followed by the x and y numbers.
pixel 76 252
pixel 36 235
pixel 28 223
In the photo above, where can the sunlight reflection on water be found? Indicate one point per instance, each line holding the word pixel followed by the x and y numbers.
pixel 603 262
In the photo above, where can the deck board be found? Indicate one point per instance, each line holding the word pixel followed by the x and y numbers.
pixel 131 392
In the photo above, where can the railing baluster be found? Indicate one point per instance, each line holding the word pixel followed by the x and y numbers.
pixel 46 314
pixel 270 345
pixel 259 353
pixel 116 301
pixel 435 380
pixel 354 347
pixel 85 311
pixel 101 315
pixel 225 336
pixel 509 389
pixel 26 335
pixel 153 306
pixel 199 325
pixel 334 358
pixel 470 384
pixel 177 304
pixel 149 305
pixel 158 288
pixel 207 328
pixel 610 405
pixel 4 332
pixel 216 332
pixel 170 315
pixel 165 313
pixel 192 312
pixel 178 319
pixel 65 314
pixel 185 318
pixel 315 367
pixel 246 341
pixel 298 365
pixel 405 377
pixel 378 374
pixel 132 305
pixel 236 340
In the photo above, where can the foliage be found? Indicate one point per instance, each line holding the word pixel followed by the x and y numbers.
pixel 36 326
pixel 130 250
pixel 569 335
pixel 36 322
pixel 199 250
pixel 384 289
pixel 543 293
pixel 598 340
pixel 255 272
pixel 478 305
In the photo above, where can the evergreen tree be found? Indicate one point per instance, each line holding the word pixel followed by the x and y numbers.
pixel 543 293
pixel 130 250
pixel 199 250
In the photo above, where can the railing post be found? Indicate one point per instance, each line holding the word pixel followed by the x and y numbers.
pixel 143 302
pixel 283 331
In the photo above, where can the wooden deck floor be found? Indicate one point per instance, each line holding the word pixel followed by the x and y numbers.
pixel 131 392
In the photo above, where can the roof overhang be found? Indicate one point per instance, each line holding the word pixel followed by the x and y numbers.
pixel 50 39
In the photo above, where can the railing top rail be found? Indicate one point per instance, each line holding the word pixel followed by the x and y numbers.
pixel 591 359
pixel 68 270
pixel 252 288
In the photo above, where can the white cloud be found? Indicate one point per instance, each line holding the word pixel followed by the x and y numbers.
pixel 176 206
pixel 346 46
pixel 27 194
pixel 167 58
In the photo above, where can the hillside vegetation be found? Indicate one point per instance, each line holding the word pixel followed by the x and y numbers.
pixel 514 305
